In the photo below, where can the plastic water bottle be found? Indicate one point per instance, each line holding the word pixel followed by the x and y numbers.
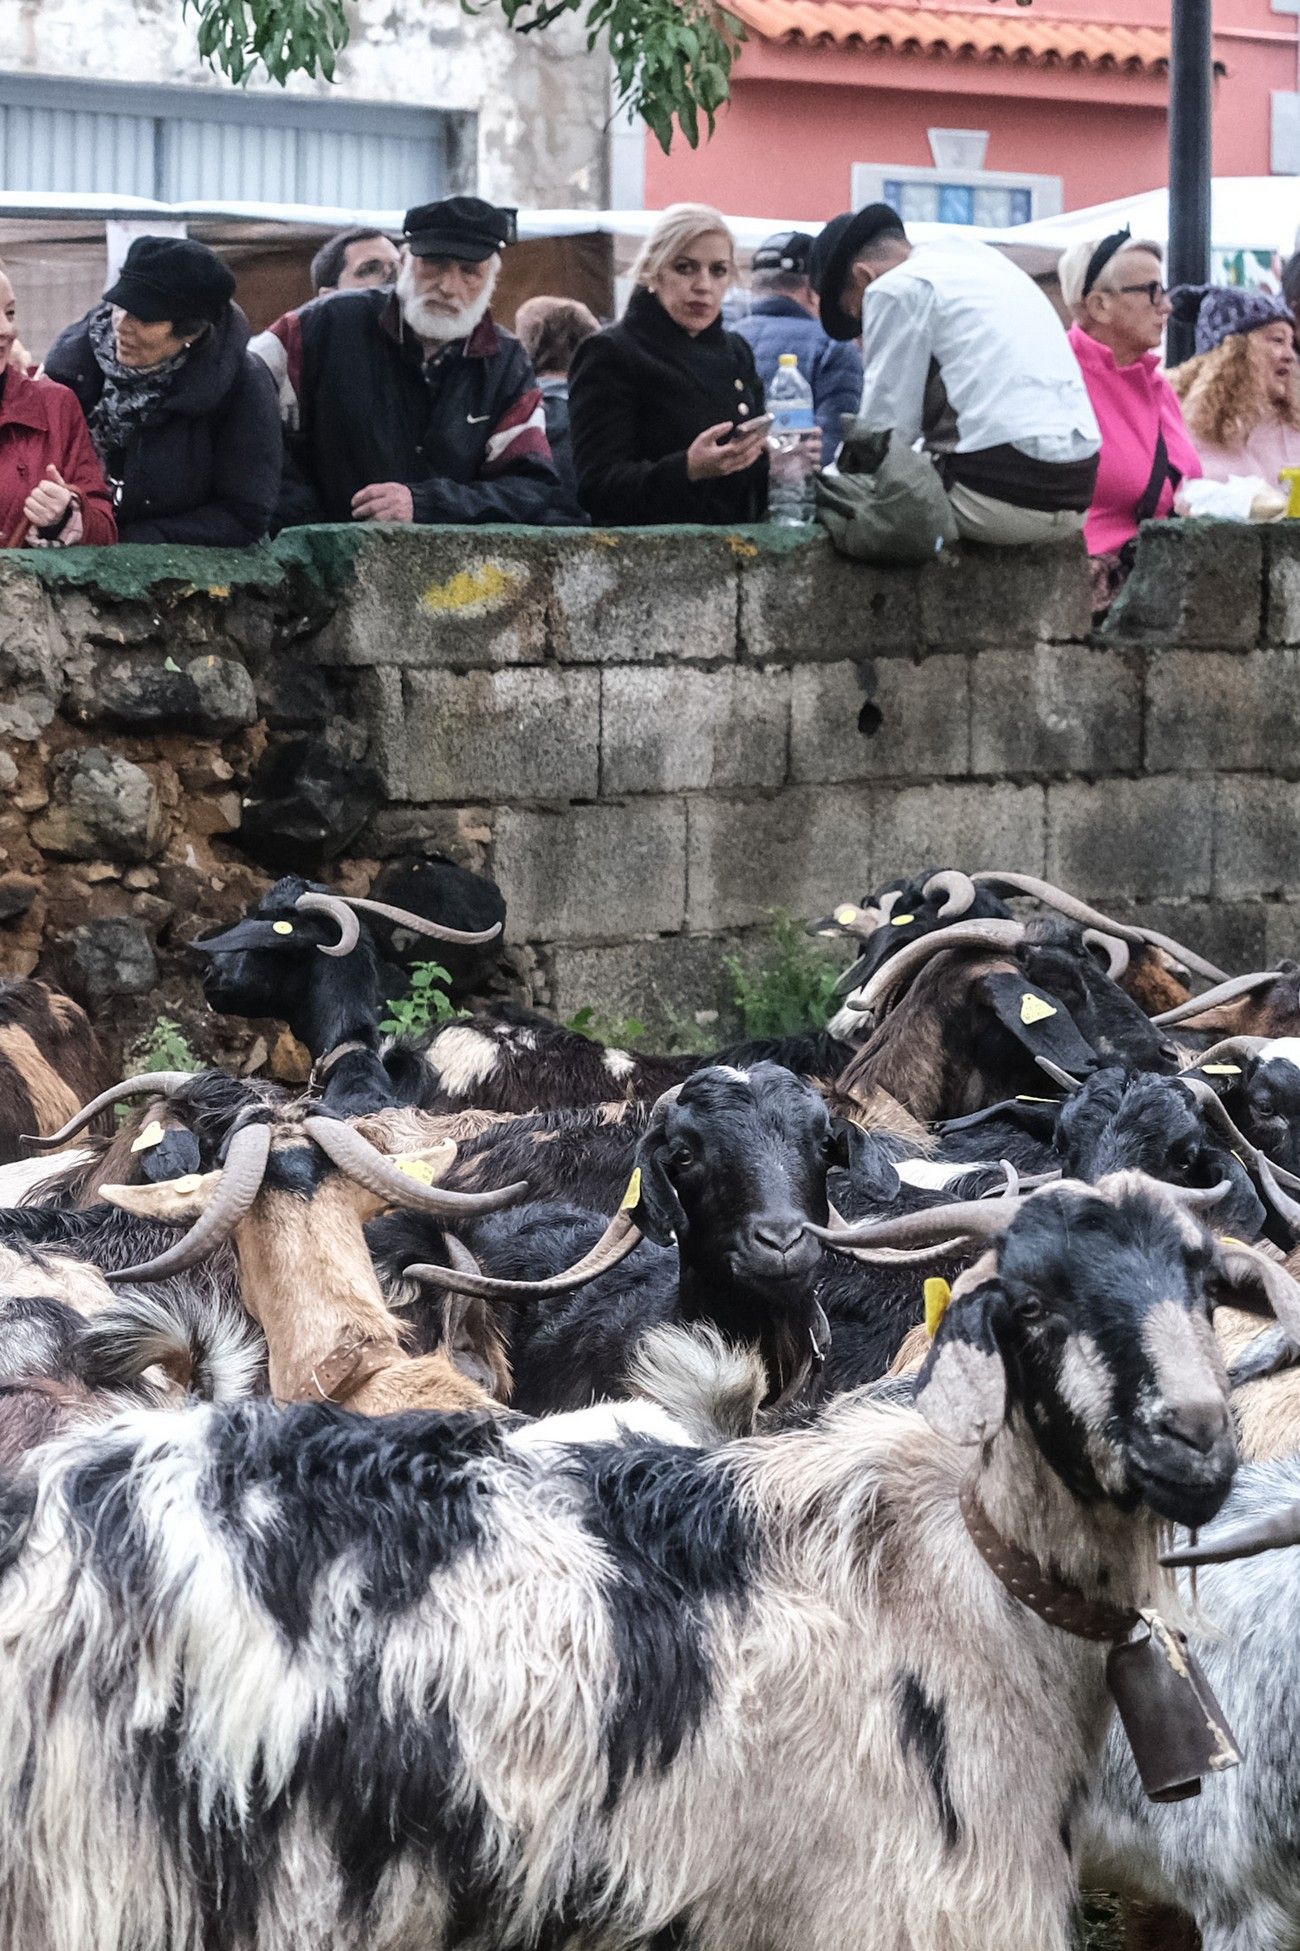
pixel 795 453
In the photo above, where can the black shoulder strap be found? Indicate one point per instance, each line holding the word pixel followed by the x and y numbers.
pixel 1161 472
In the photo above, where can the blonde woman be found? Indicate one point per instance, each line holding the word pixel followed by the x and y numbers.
pixel 1239 394
pixel 661 404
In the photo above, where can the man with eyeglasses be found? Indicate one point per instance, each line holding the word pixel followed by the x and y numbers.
pixel 1114 288
pixel 963 352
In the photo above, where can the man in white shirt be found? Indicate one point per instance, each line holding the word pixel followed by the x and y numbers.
pixel 964 353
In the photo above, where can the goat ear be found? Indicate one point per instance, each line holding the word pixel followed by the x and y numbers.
pixel 1240 1277
pixel 1037 1021
pixel 470 1341
pixel 962 1388
pixel 657 1210
pixel 176 1199
pixel 863 1156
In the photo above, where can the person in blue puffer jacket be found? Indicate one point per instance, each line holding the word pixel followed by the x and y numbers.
pixel 783 318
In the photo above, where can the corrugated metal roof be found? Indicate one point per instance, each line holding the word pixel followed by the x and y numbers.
pixel 1011 35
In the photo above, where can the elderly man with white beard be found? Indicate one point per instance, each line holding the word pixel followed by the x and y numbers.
pixel 410 404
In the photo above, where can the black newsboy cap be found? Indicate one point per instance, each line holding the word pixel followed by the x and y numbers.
pixel 459 226
pixel 171 278
pixel 788 250
pixel 834 249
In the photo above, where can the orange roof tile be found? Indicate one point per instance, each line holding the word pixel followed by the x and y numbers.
pixel 1007 34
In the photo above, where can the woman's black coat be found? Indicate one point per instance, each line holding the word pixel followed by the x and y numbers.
pixel 206 466
pixel 639 393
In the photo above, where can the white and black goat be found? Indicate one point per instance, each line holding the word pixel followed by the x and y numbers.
pixel 1228 1858
pixel 405 1682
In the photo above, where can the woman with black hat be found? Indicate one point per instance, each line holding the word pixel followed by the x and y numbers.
pixel 663 405
pixel 185 420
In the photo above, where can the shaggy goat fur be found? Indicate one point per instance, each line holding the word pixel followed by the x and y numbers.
pixel 413 1683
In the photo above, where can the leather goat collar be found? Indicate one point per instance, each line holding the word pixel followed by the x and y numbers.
pixel 338 1376
pixel 324 1065
pixel 1025 1579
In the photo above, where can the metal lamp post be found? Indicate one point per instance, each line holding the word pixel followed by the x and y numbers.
pixel 1191 88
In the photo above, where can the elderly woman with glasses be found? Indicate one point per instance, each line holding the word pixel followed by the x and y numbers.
pixel 1115 291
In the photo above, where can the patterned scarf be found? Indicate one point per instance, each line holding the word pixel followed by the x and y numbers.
pixel 131 393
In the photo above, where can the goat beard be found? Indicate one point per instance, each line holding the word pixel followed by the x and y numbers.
pixel 428 322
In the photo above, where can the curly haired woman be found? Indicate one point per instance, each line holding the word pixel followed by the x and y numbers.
pixel 1240 395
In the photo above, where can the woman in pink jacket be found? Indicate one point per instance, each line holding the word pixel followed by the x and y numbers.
pixel 1114 287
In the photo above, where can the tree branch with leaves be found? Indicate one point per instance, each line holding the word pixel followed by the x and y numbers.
pixel 672 58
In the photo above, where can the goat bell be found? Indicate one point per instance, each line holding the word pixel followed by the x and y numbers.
pixel 1174 1725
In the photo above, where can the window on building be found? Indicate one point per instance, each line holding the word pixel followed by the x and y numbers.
pixel 959 203
pixel 185 145
pixel 994 199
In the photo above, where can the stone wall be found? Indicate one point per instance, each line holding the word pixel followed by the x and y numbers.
pixel 651 738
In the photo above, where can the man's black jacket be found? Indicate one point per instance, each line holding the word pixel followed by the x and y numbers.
pixel 464 430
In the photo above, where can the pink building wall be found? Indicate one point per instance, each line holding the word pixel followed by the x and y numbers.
pixel 802 114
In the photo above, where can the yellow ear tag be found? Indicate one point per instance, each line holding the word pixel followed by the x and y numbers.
pixel 282 928
pixel 900 921
pixel 845 915
pixel 937 1296
pixel 1222 1070
pixel 153 1134
pixel 632 1197
pixel 1033 1009
pixel 1226 1239
pixel 418 1169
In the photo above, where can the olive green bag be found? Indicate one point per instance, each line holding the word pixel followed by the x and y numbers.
pixel 886 504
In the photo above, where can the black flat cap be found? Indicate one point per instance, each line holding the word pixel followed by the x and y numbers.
pixel 788 250
pixel 834 249
pixel 172 278
pixel 459 226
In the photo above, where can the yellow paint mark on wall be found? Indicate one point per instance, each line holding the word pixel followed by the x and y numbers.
pixel 221 590
pixel 604 538
pixel 472 589
pixel 740 546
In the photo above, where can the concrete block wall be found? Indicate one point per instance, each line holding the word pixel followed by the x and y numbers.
pixel 651 738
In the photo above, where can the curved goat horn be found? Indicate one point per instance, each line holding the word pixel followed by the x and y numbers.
pixel 1114 947
pixel 1268 1533
pixel 241 1181
pixel 1068 1083
pixel 615 1243
pixel 1282 1204
pixel 1076 910
pixel 358 1159
pixel 963 934
pixel 937 1227
pixel 1218 1114
pixel 419 926
pixel 342 916
pixel 1226 992
pixel 165 1082
pixel 1228 1046
pixel 958 889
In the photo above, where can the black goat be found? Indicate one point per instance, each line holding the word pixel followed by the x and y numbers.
pixel 733 1168
pixel 302 955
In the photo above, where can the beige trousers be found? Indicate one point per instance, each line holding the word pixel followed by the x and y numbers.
pixel 982 519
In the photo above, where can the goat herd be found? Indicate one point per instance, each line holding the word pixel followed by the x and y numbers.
pixel 519 1495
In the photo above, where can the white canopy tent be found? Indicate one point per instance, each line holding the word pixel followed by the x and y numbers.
pixel 1254 221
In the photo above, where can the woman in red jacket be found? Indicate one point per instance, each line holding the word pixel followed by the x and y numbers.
pixel 52 488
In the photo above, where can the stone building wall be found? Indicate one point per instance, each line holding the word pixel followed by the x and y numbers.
pixel 651 739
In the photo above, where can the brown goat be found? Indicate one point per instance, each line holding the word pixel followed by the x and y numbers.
pixel 50 1062
pixel 308 1279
